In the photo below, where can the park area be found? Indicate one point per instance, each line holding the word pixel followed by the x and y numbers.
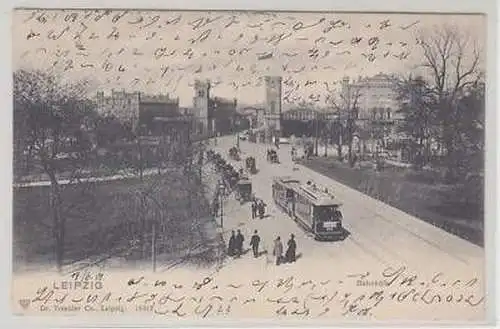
pixel 456 208
pixel 114 220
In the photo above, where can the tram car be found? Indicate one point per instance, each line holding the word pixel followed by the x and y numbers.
pixel 311 207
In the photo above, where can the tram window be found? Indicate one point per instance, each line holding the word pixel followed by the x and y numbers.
pixel 326 213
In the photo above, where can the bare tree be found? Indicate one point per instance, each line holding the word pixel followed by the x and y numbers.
pixel 347 106
pixel 55 133
pixel 452 60
pixel 417 104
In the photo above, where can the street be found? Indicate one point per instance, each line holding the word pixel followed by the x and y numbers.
pixel 379 236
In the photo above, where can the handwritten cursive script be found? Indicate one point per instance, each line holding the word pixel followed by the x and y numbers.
pixel 357 295
pixel 148 47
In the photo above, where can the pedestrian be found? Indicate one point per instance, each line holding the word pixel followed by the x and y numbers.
pixel 254 243
pixel 254 210
pixel 278 250
pixel 232 244
pixel 262 209
pixel 290 252
pixel 239 243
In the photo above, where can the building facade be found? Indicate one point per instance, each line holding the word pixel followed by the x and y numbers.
pixel 157 106
pixel 136 108
pixel 121 104
pixel 224 114
pixel 377 112
pixel 255 116
pixel 376 96
pixel 303 115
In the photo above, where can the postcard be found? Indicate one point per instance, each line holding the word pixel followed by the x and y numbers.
pixel 243 166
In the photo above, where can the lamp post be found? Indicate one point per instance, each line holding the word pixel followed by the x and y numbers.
pixel 237 133
pixel 222 188
pixel 316 134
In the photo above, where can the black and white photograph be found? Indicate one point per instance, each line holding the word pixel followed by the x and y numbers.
pixel 263 165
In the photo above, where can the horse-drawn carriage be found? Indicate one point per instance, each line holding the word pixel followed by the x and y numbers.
pixel 234 153
pixel 230 176
pixel 250 165
pixel 244 190
pixel 272 156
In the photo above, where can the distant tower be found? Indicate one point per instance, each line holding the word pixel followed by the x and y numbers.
pixel 201 106
pixel 345 86
pixel 273 105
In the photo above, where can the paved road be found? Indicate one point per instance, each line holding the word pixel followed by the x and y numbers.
pixel 380 236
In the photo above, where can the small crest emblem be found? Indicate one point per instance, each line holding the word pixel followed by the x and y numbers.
pixel 25 302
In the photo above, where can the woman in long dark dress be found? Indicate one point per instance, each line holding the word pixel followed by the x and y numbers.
pixel 231 250
pixel 290 252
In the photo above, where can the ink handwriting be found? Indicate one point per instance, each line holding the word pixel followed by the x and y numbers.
pixel 203 42
pixel 361 295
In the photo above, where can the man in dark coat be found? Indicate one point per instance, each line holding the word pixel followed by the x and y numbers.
pixel 254 243
pixel 239 243
pixel 290 252
pixel 254 210
pixel 232 245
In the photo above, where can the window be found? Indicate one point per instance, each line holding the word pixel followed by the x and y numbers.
pixel 201 93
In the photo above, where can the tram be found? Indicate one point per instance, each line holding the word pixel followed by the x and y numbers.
pixel 310 206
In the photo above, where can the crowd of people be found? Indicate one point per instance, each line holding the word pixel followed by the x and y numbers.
pixel 258 208
pixel 235 247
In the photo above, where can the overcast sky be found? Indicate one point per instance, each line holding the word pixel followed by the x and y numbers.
pixel 160 52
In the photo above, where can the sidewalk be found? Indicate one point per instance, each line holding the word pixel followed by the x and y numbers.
pixel 239 216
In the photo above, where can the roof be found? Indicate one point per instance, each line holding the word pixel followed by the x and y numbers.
pixel 319 196
pixel 287 180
